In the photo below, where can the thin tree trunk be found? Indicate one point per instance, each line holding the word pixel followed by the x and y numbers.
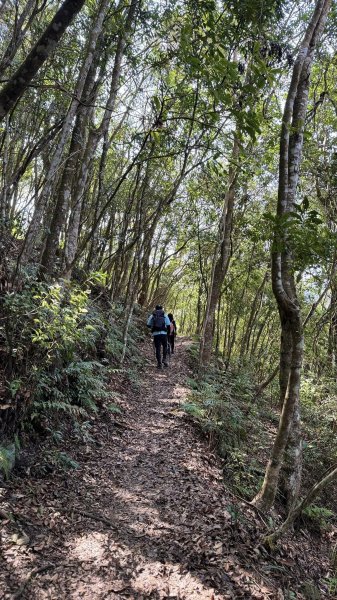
pixel 73 230
pixel 64 193
pixel 2 7
pixel 222 262
pixel 256 305
pixel 34 232
pixel 332 340
pixel 18 34
pixel 267 381
pixel 217 340
pixel 199 308
pixel 4 206
pixel 296 511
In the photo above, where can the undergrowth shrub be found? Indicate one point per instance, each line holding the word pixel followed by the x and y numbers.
pixel 59 342
pixel 318 517
pixel 75 389
pixel 242 428
pixel 216 402
pixel 319 401
pixel 319 425
pixel 7 459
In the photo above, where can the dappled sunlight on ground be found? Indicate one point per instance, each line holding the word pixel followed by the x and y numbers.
pixel 89 547
pixel 168 580
pixel 145 516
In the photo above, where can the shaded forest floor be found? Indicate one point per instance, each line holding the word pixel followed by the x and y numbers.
pixel 146 515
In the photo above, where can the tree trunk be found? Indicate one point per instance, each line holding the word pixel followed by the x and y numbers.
pixel 34 233
pixel 199 309
pixel 332 341
pixel 64 193
pixel 290 484
pixel 18 83
pixel 18 35
pixel 296 511
pixel 74 223
pixel 256 305
pixel 222 262
pixel 283 281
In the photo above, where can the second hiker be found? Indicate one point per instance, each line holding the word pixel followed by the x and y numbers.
pixel 172 332
pixel 159 323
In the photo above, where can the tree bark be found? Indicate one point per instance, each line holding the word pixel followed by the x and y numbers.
pixel 222 262
pixel 256 305
pixel 19 30
pixel 332 340
pixel 18 83
pixel 290 484
pixel 74 223
pixel 34 233
pixel 69 172
pixel 283 281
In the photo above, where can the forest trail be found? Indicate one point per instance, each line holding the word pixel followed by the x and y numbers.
pixel 145 515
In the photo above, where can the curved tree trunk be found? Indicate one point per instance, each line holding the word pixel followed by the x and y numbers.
pixel 298 508
pixel 283 281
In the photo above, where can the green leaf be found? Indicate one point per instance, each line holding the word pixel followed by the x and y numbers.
pixel 157 103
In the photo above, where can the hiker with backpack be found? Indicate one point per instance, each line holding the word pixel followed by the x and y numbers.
pixel 160 324
pixel 172 332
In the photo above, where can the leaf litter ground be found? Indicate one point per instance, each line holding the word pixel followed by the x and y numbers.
pixel 146 515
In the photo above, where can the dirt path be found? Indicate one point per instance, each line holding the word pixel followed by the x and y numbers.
pixel 145 516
